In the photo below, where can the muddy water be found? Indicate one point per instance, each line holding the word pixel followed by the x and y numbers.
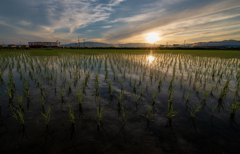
pixel 213 128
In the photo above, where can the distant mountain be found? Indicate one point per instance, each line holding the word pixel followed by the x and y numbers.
pixel 98 44
pixel 225 41
pixel 134 45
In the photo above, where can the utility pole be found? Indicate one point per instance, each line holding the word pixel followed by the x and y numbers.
pixel 84 43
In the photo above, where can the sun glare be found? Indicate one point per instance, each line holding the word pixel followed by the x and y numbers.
pixel 152 37
pixel 150 59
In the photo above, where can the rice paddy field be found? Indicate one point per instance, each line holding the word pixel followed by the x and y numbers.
pixel 119 101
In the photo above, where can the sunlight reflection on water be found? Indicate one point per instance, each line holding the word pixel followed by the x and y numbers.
pixel 150 59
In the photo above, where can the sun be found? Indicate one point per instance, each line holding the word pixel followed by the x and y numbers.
pixel 152 37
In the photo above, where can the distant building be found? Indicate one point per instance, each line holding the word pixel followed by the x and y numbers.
pixel 11 45
pixel 25 46
pixel 43 44
pixel 2 46
pixel 19 46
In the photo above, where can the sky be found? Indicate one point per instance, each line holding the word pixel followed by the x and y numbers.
pixel 119 21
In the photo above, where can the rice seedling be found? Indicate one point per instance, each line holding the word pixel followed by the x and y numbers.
pixel 72 120
pixel 134 86
pixel 205 95
pixel 119 98
pixel 27 93
pixel 235 106
pixel 146 85
pixel 69 87
pixel 62 95
pixel 171 112
pixel 20 100
pixel 171 84
pixel 194 110
pixel 99 116
pixel 236 95
pixel 141 91
pixel 47 117
pixel 188 95
pixel 198 89
pixel 124 122
pixel 159 84
pixel 148 116
pixel 71 115
pixel 9 93
pixel 223 94
pixel 154 96
pixel 122 85
pixel 18 115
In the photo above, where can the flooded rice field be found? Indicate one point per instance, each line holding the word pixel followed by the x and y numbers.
pixel 118 103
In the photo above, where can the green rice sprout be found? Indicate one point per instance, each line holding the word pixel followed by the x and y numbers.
pixel 154 95
pixel 46 116
pixel 20 100
pixel 9 93
pixel 188 95
pixel 141 90
pixel 124 116
pixel 122 85
pixel 99 115
pixel 79 96
pixel 27 92
pixel 18 115
pixel 205 95
pixel 198 89
pixel 136 98
pixel 71 114
pixel 171 112
pixel 194 110
pixel 234 107
pixel 119 98
pixel 62 95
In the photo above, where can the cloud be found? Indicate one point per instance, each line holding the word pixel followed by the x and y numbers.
pixel 115 2
pixel 135 18
pixel 106 26
pixel 25 23
pixel 119 20
pixel 169 21
pixel 48 15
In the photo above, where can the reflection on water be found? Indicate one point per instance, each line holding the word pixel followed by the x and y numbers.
pixel 132 80
pixel 150 59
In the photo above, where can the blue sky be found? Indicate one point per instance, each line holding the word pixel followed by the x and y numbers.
pixel 119 21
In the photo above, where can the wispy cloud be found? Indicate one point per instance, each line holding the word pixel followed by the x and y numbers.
pixel 106 26
pixel 122 21
pixel 56 14
pixel 169 22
